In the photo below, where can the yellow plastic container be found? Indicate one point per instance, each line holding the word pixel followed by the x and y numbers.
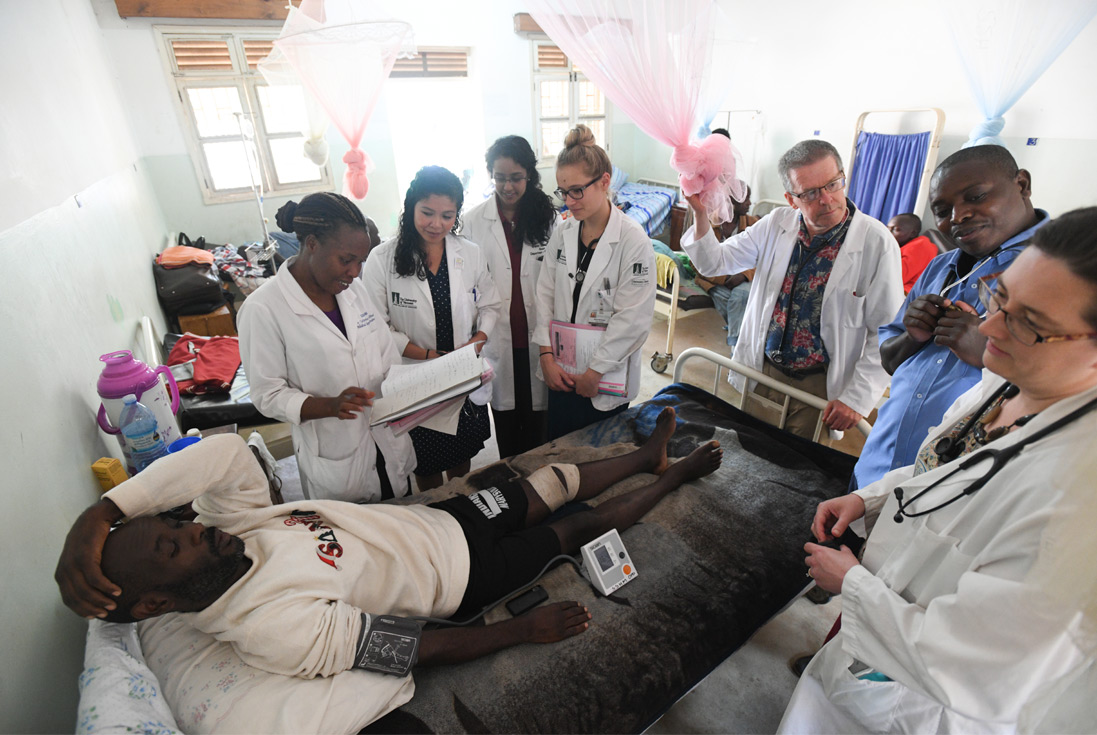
pixel 109 472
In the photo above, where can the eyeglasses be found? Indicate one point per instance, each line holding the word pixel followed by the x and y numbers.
pixel 812 194
pixel 1021 330
pixel 576 192
pixel 516 179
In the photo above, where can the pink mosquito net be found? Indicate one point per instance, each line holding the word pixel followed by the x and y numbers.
pixel 342 51
pixel 651 58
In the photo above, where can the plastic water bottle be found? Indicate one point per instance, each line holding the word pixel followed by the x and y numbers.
pixel 138 425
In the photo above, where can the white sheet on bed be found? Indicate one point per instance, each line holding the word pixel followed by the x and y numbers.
pixel 212 690
pixel 118 691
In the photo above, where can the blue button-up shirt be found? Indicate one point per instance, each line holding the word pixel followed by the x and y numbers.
pixel 930 380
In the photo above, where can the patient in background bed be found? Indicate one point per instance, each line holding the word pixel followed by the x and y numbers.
pixel 729 293
pixel 915 249
pixel 296 588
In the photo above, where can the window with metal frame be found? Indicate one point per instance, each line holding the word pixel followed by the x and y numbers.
pixel 240 131
pixel 435 73
pixel 562 98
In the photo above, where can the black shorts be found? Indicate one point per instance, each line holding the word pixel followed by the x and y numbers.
pixel 503 555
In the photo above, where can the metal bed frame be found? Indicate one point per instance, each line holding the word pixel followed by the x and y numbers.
pixel 750 373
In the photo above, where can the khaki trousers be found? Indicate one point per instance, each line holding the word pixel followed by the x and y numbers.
pixel 801 417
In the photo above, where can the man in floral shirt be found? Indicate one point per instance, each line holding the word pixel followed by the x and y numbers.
pixel 827 276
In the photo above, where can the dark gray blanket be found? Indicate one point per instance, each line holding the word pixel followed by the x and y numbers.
pixel 716 560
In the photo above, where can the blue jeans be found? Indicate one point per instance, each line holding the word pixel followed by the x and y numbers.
pixel 731 303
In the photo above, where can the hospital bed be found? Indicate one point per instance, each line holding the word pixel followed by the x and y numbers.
pixel 716 560
pixel 676 297
pixel 646 201
pixel 679 296
pixel 757 376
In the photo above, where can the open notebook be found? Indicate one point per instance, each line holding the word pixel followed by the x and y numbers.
pixel 410 388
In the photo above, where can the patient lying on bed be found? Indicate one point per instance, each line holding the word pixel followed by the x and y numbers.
pixel 308 588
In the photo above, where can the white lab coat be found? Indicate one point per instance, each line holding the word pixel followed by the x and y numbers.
pixel 941 604
pixel 406 303
pixel 623 260
pixel 290 351
pixel 864 291
pixel 482 225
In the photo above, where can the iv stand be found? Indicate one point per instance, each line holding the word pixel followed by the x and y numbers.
pixel 264 251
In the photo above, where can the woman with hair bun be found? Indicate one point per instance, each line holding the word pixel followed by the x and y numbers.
pixel 315 352
pixel 435 292
pixel 512 228
pixel 598 271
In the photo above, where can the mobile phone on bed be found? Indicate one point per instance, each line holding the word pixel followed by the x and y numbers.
pixel 526 601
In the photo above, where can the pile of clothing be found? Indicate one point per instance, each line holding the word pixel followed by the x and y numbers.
pixel 204 364
pixel 246 275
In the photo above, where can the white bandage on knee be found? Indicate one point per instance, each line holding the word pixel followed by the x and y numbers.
pixel 546 483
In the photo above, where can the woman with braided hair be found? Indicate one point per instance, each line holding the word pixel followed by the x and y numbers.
pixel 315 351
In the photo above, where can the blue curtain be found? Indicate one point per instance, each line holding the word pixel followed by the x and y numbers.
pixel 887 172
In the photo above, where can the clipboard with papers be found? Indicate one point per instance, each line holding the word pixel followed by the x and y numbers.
pixel 573 347
pixel 409 389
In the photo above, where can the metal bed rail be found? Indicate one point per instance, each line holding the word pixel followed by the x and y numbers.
pixel 150 343
pixel 751 374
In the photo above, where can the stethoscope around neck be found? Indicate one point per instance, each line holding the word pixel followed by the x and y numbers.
pixel 949 448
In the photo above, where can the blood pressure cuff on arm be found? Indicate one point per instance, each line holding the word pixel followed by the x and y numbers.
pixel 387 644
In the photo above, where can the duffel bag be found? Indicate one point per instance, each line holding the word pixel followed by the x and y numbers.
pixel 188 289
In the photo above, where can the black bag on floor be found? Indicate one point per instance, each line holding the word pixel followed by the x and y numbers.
pixel 188 289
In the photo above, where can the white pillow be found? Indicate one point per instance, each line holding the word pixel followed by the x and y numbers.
pixel 210 689
pixel 118 692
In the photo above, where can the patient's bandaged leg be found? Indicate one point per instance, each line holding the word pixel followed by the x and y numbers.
pixel 555 484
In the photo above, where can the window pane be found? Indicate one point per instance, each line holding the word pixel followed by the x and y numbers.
pixel 591 101
pixel 415 139
pixel 290 164
pixel 283 108
pixel 214 110
pixel 598 127
pixel 554 98
pixel 228 165
pixel 552 137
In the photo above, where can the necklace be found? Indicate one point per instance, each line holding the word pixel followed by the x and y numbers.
pixel 982 436
pixel 999 458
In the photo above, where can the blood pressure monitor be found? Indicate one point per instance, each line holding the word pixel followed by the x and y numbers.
pixel 606 563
